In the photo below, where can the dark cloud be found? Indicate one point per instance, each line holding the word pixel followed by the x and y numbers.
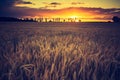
pixel 55 3
pixel 21 12
pixel 8 8
pixel 77 3
pixel 99 11
pixel 50 5
pixel 5 4
pixel 23 2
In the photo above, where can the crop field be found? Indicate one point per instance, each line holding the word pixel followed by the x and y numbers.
pixel 59 51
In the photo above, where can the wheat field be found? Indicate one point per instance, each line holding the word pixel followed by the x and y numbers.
pixel 48 52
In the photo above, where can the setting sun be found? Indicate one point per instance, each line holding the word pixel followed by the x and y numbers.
pixel 74 17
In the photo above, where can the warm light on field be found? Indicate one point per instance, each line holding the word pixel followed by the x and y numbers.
pixel 59 51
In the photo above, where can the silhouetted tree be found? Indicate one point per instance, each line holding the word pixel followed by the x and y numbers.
pixel 116 19
pixel 12 19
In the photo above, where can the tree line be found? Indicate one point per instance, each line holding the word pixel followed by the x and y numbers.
pixel 116 19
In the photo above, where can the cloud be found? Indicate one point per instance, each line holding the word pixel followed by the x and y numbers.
pixel 23 2
pixel 8 8
pixel 50 5
pixel 5 4
pixel 55 3
pixel 99 11
pixel 77 3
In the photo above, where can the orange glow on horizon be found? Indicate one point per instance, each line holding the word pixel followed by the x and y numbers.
pixel 70 13
pixel 86 10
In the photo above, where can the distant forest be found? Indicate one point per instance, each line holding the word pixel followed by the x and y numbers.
pixel 12 19
pixel 115 19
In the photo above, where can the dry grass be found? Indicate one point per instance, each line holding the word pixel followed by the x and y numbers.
pixel 87 54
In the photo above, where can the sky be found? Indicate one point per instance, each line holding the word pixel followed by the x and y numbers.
pixel 86 10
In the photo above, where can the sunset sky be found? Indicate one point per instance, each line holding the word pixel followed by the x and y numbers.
pixel 87 10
